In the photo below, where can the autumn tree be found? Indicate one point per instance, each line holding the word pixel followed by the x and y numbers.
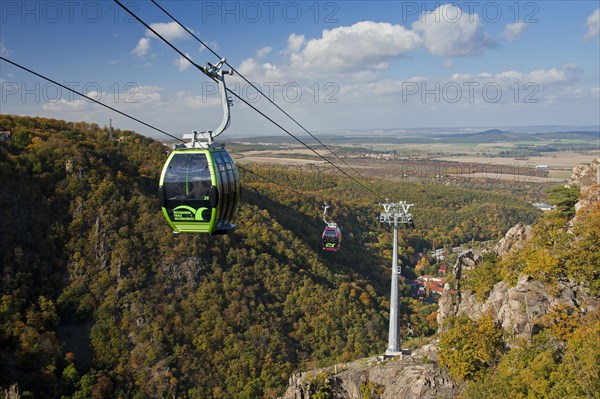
pixel 469 348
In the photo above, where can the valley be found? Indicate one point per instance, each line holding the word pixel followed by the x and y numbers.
pixel 101 299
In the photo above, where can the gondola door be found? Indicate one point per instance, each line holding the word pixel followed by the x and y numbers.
pixel 189 192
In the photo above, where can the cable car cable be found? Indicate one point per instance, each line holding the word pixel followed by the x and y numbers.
pixel 257 89
pixel 301 142
pixel 88 98
pixel 136 119
pixel 242 99
pixel 162 38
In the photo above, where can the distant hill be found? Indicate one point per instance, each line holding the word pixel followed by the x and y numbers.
pixel 497 135
pixel 486 136
pixel 571 135
pixel 419 136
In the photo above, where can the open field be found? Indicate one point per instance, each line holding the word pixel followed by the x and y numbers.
pixel 510 177
pixel 554 160
pixel 272 159
pixel 295 151
pixel 564 160
pixel 489 148
pixel 438 160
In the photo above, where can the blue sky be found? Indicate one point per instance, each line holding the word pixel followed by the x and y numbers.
pixel 332 65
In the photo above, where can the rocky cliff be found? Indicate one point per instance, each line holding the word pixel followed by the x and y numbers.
pixel 585 175
pixel 587 178
pixel 518 309
pixel 514 238
pixel 413 375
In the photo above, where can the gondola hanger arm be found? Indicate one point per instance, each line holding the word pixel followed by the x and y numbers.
pixel 206 138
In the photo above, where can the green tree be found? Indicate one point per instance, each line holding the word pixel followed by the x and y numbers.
pixel 564 199
pixel 546 367
pixel 469 348
pixel 482 278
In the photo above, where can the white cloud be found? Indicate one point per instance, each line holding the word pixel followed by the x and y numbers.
pixel 513 31
pixel 509 75
pixel 142 48
pixel 382 87
pixel 482 89
pixel 253 69
pixel 568 75
pixel 248 66
pixel 593 25
pixel 361 50
pixel 183 64
pixel 169 30
pixel 542 76
pixel 263 52
pixel 355 51
pixel 62 105
pixel 212 44
pixel 357 47
pixel 449 32
pixel 251 66
pixel 295 43
pixel 467 92
pixel 143 94
pixel 189 100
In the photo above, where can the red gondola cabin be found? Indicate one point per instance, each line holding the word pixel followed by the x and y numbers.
pixel 332 237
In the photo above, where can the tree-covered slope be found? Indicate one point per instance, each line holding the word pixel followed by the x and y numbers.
pixel 552 281
pixel 99 298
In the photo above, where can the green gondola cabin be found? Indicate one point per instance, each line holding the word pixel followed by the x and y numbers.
pixel 199 190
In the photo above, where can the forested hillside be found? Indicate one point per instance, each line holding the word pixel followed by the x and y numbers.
pixel 547 346
pixel 99 299
pixel 519 321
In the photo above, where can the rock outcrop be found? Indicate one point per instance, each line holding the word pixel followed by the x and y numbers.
pixel 466 260
pixel 585 175
pixel 447 307
pixel 514 238
pixel 519 309
pixel 415 376
pixel 589 196
pixel 587 178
